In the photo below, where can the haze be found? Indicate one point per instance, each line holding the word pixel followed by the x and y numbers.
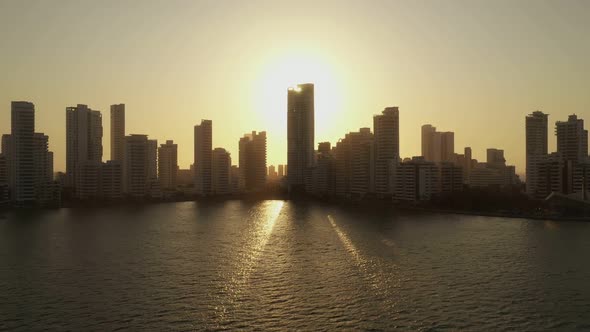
pixel 472 67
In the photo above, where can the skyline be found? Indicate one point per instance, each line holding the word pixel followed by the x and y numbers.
pixel 363 59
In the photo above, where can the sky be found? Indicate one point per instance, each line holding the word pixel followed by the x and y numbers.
pixel 473 67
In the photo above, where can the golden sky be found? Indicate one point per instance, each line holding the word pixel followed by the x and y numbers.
pixel 472 67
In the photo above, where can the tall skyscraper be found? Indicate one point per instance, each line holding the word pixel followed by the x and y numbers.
pixel 168 165
pixel 437 146
pixel 118 132
pixel 253 160
pixel 386 132
pixel 300 134
pixel 83 147
pixel 572 139
pixel 221 172
pixel 22 159
pixel 136 166
pixel 203 155
pixel 536 147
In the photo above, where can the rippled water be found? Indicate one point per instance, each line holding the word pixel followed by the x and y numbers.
pixel 285 266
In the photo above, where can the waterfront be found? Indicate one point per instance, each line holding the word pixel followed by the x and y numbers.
pixel 284 265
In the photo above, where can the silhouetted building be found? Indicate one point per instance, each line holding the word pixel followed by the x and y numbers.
pixel 111 180
pixel 118 132
pixel 22 162
pixel 221 172
pixel 494 172
pixel 416 180
pixel 185 177
pixel 450 178
pixel 386 128
pixel 281 171
pixel 536 147
pixel 572 139
pixel 437 146
pixel 83 148
pixel 168 165
pixel 237 180
pixel 323 180
pixel 136 166
pixel 354 164
pixel 4 193
pixel 203 155
pixel 300 134
pixel 253 160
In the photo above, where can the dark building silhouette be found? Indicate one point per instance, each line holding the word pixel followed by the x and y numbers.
pixel 203 156
pixel 300 135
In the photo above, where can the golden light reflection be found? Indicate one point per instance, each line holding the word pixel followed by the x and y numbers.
pixel 377 279
pixel 265 217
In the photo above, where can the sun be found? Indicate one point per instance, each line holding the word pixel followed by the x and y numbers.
pixel 282 71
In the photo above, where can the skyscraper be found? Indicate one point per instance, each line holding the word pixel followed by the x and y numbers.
pixel 300 134
pixel 253 160
pixel 168 165
pixel 386 131
pixel 118 132
pixel 22 159
pixel 136 166
pixel 221 172
pixel 572 139
pixel 83 146
pixel 536 147
pixel 203 154
pixel 437 146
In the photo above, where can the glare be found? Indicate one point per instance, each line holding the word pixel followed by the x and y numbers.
pixel 285 71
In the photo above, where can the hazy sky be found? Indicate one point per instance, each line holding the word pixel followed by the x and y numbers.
pixel 472 67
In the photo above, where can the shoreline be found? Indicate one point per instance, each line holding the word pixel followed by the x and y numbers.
pixel 380 203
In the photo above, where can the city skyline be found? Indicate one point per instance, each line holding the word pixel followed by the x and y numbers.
pixel 486 88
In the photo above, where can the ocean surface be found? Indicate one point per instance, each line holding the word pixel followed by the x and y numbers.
pixel 277 265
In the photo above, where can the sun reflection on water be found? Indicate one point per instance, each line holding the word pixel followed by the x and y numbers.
pixel 377 279
pixel 265 217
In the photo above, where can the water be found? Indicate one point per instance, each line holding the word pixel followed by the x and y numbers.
pixel 277 265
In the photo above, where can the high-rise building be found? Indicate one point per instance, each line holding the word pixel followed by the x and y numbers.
pixel 536 147
pixel 83 148
pixel 111 180
pixel 437 146
pixel 386 131
pixel 300 134
pixel 203 154
pixel 168 165
pixel 281 171
pixel 221 172
pixel 416 180
pixel 354 164
pixel 153 159
pixel 118 132
pixel 253 160
pixel 4 193
pixel 323 172
pixel 495 158
pixel 43 161
pixel 22 159
pixel 136 166
pixel 572 139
